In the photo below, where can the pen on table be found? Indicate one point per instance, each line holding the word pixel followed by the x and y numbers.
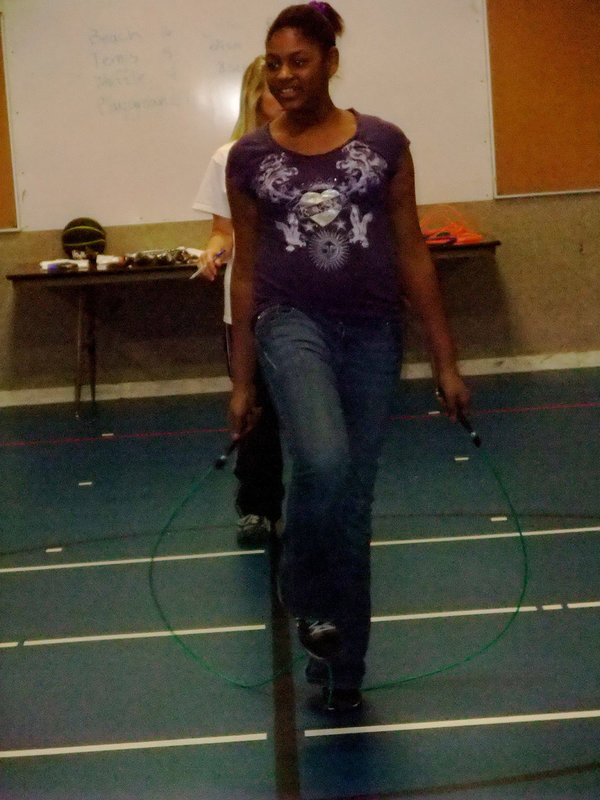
pixel 199 270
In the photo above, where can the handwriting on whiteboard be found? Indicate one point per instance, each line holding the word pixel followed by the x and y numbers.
pixel 134 71
pixel 137 71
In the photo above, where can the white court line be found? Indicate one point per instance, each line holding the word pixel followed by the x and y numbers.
pixel 442 614
pixel 482 536
pixel 106 748
pixel 475 366
pixel 123 561
pixel 111 637
pixel 261 627
pixel 455 723
pixel 230 553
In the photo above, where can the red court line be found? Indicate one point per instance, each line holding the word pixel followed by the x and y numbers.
pixel 113 436
pixel 509 410
pixel 198 431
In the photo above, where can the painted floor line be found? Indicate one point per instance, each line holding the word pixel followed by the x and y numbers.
pixel 443 614
pixel 454 723
pixel 230 553
pixel 482 536
pixel 117 562
pixel 469 612
pixel 112 637
pixel 120 746
pixel 222 383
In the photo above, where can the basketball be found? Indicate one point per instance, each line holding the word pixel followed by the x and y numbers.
pixel 81 233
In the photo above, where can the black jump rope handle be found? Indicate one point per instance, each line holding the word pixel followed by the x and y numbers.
pixel 464 421
pixel 222 459
pixel 475 438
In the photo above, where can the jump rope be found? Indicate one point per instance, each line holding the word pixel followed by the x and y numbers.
pixel 219 465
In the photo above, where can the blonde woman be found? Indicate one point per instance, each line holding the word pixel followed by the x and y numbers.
pixel 259 461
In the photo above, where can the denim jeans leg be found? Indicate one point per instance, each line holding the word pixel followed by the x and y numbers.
pixel 297 365
pixel 367 380
pixel 332 386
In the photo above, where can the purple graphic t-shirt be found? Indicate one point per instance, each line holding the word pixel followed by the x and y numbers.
pixel 325 243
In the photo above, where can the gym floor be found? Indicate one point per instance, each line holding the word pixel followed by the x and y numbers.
pixel 138 643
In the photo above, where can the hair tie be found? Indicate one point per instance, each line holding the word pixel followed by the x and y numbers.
pixel 320 7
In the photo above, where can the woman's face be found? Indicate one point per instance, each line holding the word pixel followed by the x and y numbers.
pixel 269 107
pixel 298 71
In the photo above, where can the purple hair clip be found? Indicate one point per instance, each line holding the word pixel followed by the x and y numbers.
pixel 320 7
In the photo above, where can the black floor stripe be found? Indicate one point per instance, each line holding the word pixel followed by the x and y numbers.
pixel 287 778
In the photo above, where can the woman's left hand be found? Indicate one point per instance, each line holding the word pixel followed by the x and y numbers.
pixel 453 393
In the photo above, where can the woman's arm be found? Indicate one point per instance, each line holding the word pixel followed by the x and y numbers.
pixel 419 283
pixel 219 242
pixel 244 216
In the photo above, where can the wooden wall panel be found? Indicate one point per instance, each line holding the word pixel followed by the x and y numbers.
pixel 8 208
pixel 545 80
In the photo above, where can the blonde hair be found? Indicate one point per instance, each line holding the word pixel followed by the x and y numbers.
pixel 253 85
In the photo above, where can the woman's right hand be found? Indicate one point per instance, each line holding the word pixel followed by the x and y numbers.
pixel 210 262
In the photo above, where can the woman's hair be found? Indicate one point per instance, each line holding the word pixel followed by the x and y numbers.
pixel 253 85
pixel 316 21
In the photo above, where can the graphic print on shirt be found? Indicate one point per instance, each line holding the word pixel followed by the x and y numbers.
pixel 323 217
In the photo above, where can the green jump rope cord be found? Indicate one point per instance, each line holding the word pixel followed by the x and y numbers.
pixel 166 622
pixel 512 617
pixel 254 685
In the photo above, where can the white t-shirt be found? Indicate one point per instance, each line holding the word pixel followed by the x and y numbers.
pixel 212 199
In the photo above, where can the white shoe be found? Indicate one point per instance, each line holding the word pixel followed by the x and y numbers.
pixel 254 530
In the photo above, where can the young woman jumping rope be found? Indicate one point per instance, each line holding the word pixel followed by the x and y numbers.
pixel 327 240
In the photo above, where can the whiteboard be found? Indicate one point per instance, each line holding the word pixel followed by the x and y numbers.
pixel 117 105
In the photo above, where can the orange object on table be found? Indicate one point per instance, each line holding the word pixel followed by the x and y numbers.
pixel 444 224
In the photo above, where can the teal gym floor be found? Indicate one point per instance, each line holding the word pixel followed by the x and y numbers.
pixel 138 643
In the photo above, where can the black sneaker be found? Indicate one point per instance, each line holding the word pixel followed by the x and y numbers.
pixel 254 530
pixel 317 672
pixel 319 638
pixel 340 701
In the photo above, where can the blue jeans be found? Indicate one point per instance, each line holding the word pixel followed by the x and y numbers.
pixel 332 384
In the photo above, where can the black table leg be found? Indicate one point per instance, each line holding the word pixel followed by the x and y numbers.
pixel 86 343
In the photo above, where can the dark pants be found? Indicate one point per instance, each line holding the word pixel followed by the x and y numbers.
pixel 259 463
